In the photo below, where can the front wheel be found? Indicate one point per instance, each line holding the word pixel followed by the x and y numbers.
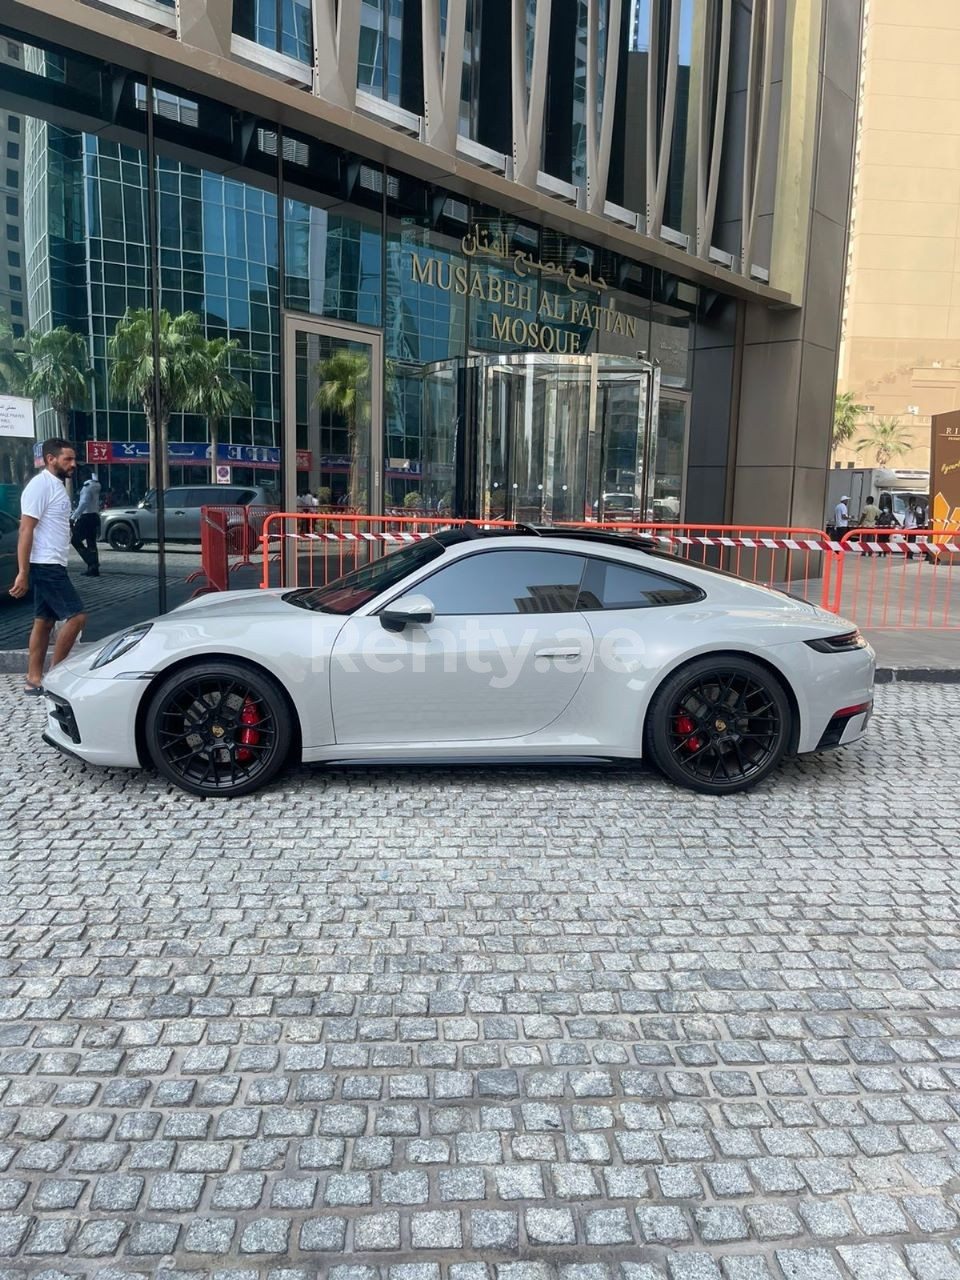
pixel 218 729
pixel 719 725
pixel 123 537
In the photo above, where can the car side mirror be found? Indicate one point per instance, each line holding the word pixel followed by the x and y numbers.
pixel 408 610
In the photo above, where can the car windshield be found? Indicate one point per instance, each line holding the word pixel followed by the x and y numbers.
pixel 348 593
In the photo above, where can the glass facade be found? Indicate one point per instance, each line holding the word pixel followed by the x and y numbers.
pixel 502 376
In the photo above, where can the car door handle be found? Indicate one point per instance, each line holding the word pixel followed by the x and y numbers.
pixel 558 653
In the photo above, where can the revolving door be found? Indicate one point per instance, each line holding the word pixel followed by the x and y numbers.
pixel 542 439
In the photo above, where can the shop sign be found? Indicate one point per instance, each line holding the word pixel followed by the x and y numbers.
pixel 945 469
pixel 193 453
pixel 517 292
pixel 16 418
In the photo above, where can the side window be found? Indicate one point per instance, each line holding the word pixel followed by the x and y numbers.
pixel 175 498
pixel 609 585
pixel 244 497
pixel 507 582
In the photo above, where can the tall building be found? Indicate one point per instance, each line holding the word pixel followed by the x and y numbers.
pixel 12 309
pixel 900 353
pixel 487 255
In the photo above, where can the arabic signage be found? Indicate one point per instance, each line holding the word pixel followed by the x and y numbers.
pixel 16 418
pixel 512 288
pixel 189 454
pixel 945 469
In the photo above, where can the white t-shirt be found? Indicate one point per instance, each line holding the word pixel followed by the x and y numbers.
pixel 841 515
pixel 46 500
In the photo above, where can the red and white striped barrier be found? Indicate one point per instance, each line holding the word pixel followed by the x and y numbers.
pixel 896 544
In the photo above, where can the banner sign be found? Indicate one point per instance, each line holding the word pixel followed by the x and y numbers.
pixel 16 418
pixel 190 454
pixel 945 469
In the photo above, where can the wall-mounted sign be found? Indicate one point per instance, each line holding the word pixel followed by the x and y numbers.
pixel 223 474
pixel 521 314
pixel 945 469
pixel 193 453
pixel 16 418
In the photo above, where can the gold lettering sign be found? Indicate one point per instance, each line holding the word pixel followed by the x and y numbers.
pixel 487 286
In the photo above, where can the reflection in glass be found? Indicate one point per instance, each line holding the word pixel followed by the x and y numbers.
pixel 334 415
pixel 282 25
pixel 669 458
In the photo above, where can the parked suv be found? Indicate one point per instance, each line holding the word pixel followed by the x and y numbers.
pixel 128 528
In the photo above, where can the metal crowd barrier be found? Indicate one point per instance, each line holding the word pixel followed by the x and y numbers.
pixel 229 538
pixel 322 547
pixel 896 579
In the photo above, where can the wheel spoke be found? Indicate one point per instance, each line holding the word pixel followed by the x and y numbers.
pixel 193 710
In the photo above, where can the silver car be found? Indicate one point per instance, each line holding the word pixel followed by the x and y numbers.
pixel 128 528
pixel 467 645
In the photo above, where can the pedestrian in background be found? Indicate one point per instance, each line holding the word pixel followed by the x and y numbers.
pixel 841 517
pixel 86 526
pixel 42 552
pixel 868 520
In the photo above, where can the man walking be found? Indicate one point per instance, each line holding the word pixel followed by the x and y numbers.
pixel 42 552
pixel 86 526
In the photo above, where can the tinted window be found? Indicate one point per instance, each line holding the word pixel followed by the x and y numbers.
pixel 507 582
pixel 622 586
pixel 171 498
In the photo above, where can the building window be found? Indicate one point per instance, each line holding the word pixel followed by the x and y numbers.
pixel 16 284
pixel 13 51
pixel 390 64
pixel 13 124
pixel 13 258
pixel 13 233
pixel 282 25
pixel 13 206
pixel 16 307
pixel 13 179
pixel 13 150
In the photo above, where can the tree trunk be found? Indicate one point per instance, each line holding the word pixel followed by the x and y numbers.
pixel 164 450
pixel 152 440
pixel 214 440
pixel 63 425
pixel 357 494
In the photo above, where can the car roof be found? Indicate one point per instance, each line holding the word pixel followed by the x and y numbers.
pixel 534 534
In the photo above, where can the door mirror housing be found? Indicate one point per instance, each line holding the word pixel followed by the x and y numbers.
pixel 408 610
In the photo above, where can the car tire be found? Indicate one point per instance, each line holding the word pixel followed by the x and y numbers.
pixel 720 724
pixel 122 536
pixel 218 728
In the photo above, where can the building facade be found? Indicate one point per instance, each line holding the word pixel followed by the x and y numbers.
pixel 522 258
pixel 900 353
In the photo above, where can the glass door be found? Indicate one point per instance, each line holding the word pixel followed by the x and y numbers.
pixel 669 455
pixel 333 416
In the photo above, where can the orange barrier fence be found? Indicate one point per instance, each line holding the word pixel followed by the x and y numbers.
pixel 894 578
pixel 229 538
pixel 314 549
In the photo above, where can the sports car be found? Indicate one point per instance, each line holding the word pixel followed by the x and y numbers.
pixel 474 645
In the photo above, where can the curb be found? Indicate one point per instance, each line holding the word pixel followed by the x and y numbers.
pixel 14 662
pixel 918 675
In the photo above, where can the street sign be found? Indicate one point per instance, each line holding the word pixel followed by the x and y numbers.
pixel 16 418
pixel 223 475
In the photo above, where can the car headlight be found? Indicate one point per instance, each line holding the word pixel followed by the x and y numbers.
pixel 846 643
pixel 120 645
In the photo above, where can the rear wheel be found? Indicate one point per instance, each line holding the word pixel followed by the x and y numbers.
pixel 719 725
pixel 124 537
pixel 218 729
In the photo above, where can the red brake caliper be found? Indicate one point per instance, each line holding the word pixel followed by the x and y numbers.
pixel 685 725
pixel 249 736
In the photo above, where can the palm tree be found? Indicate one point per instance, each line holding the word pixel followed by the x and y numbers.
pixel 888 439
pixel 59 372
pixel 14 366
pixel 217 392
pixel 345 388
pixel 846 413
pixel 132 375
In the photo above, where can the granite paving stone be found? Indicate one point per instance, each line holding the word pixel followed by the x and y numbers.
pixel 564 1023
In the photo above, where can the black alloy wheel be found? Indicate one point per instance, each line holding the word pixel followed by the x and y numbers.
pixel 719 725
pixel 123 537
pixel 218 729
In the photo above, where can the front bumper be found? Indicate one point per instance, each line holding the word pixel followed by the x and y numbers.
pixel 93 719
pixel 834 684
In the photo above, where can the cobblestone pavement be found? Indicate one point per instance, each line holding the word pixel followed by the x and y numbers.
pixel 453 1024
